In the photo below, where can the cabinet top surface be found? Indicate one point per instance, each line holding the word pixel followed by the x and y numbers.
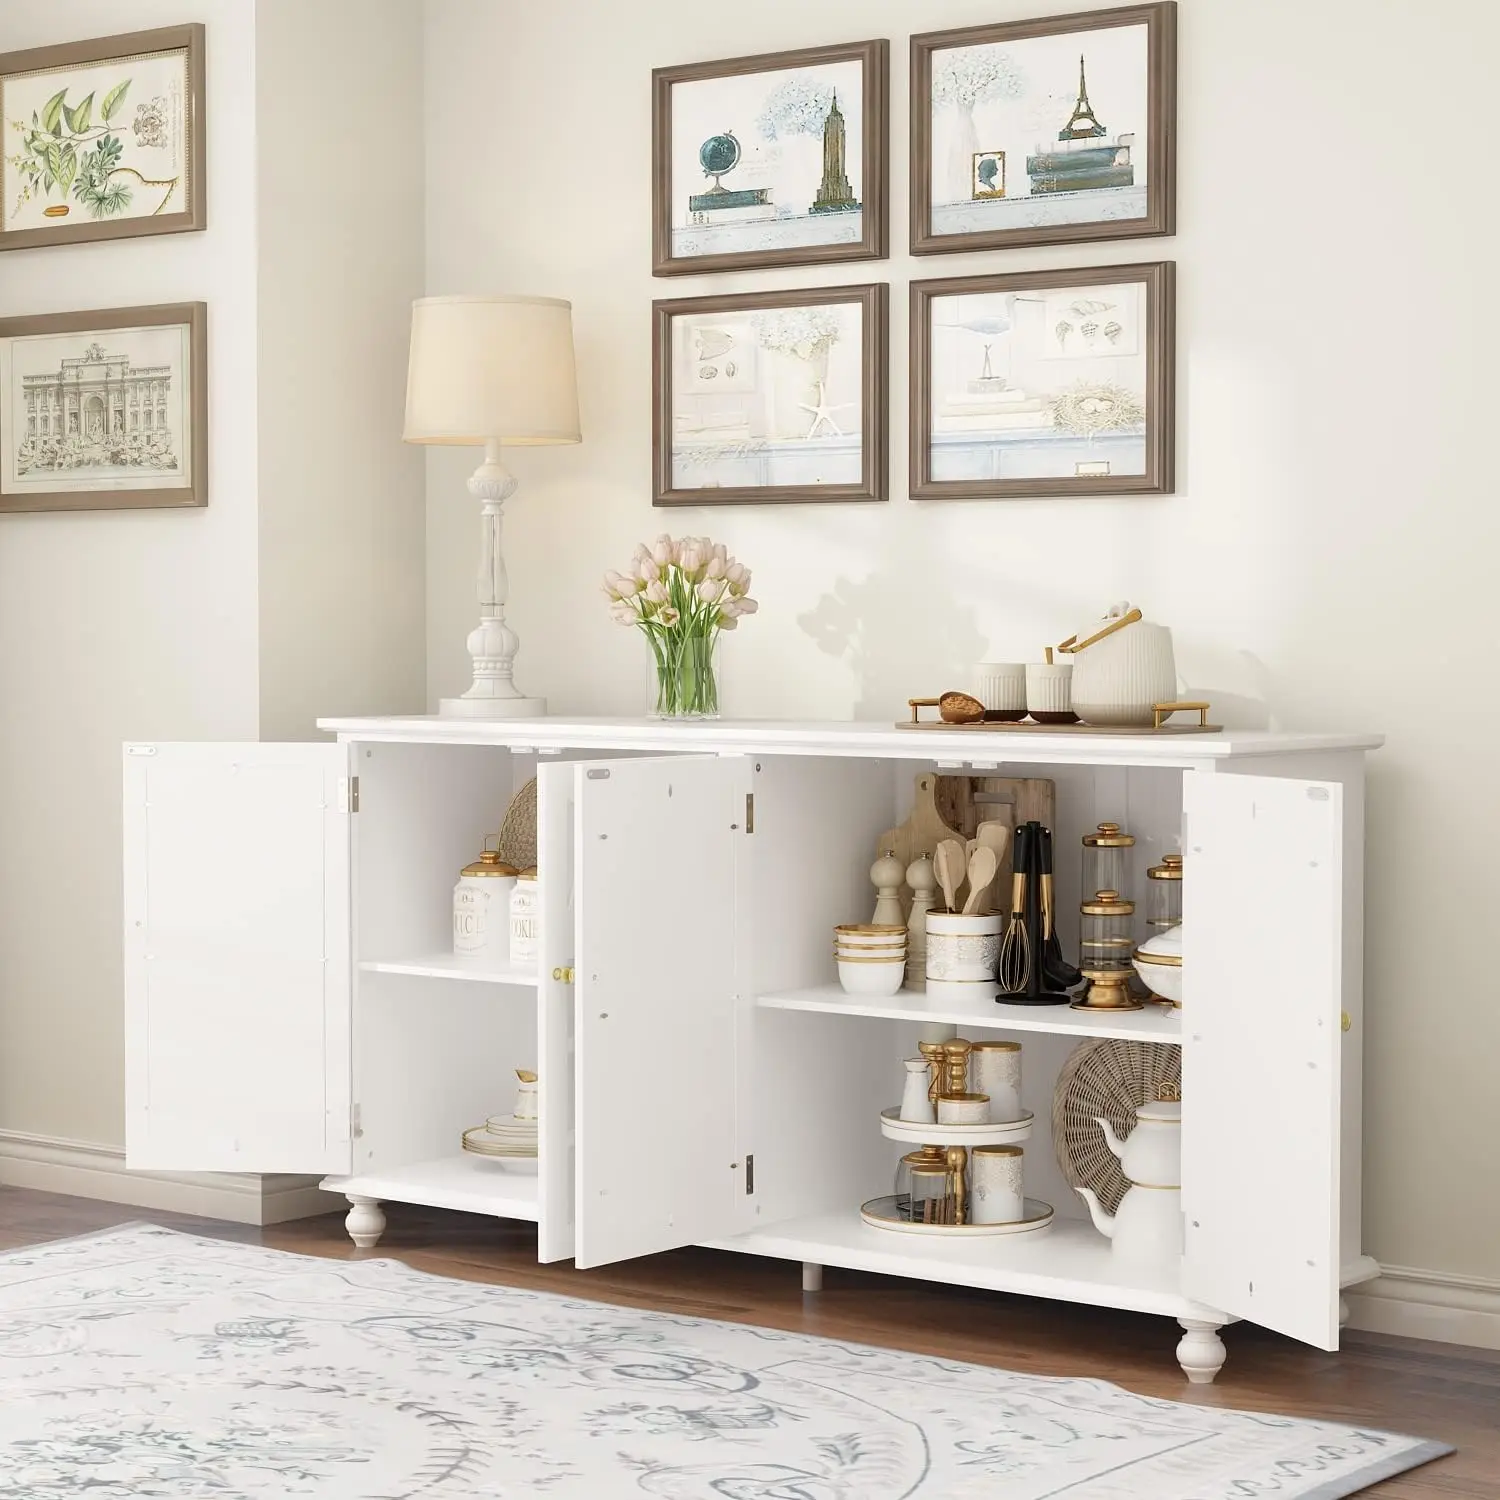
pixel 849 737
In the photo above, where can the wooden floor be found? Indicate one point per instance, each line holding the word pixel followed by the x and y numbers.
pixel 1430 1390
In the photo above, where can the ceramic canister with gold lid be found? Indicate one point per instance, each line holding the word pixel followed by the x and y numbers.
pixel 481 910
pixel 525 927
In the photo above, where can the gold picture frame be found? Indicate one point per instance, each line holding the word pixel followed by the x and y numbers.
pixel 104 410
pixel 103 139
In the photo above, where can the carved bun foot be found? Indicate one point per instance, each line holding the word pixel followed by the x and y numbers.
pixel 1201 1351
pixel 365 1222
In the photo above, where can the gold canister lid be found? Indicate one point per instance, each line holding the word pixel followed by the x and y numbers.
pixel 1109 836
pixel 996 1151
pixel 490 863
pixel 1170 868
pixel 964 1098
pixel 1107 904
pixel 527 874
pixel 994 1046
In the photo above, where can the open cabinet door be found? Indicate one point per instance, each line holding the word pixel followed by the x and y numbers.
pixel 237 957
pixel 659 847
pixel 1262 911
pixel 554 1027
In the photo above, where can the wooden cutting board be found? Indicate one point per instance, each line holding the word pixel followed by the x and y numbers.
pixel 953 807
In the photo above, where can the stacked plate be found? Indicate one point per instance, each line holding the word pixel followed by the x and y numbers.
pixel 871 958
pixel 506 1139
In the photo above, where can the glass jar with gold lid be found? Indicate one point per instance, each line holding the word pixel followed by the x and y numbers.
pixel 1107 854
pixel 1106 942
pixel 1163 896
pixel 924 1187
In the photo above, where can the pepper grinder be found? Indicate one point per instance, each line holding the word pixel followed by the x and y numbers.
pixel 885 874
pixel 923 883
pixel 957 1060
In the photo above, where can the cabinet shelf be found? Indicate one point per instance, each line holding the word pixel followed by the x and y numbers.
pixel 1070 1261
pixel 469 1184
pixel 449 966
pixel 1154 1024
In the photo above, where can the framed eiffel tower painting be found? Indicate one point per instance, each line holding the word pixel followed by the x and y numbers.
pixel 774 160
pixel 1045 131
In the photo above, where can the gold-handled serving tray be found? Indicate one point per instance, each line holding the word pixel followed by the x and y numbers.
pixel 1162 712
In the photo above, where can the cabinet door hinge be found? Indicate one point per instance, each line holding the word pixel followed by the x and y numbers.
pixel 749 812
pixel 749 1173
pixel 354 794
pixel 356 1125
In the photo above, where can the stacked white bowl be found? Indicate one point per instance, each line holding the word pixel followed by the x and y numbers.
pixel 871 958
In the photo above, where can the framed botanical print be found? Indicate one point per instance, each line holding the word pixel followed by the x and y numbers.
pixel 1043 383
pixel 103 139
pixel 104 410
pixel 771 397
pixel 774 160
pixel 1044 131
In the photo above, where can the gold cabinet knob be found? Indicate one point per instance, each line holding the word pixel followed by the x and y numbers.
pixel 1344 1022
pixel 563 976
pixel 557 973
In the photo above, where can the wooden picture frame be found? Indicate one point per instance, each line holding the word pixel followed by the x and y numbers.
pixel 857 201
pixel 107 164
pixel 1060 184
pixel 71 389
pixel 775 355
pixel 1082 353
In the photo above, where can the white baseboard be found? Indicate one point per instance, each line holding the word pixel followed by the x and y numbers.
pixel 1428 1305
pixel 82 1169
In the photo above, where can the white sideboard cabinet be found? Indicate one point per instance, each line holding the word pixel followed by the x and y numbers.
pixel 293 1006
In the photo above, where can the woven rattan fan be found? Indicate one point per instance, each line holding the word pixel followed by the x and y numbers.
pixel 518 831
pixel 1108 1078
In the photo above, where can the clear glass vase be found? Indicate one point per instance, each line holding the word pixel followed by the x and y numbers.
pixel 684 678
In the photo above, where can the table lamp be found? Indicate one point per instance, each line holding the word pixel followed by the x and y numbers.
pixel 486 371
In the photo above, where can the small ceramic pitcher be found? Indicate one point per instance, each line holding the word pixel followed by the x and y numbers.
pixel 916 1097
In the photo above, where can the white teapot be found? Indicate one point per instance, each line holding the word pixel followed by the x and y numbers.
pixel 1123 667
pixel 1146 1229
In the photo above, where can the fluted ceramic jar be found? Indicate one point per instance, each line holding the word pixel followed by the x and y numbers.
pixel 1122 667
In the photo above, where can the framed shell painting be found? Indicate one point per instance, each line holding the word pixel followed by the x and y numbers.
pixel 769 397
pixel 104 139
pixel 1044 131
pixel 1043 383
pixel 774 160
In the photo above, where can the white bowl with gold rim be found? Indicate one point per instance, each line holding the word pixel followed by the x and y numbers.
pixel 1159 963
pixel 872 978
pixel 868 935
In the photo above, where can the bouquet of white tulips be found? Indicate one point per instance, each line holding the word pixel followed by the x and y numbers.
pixel 680 595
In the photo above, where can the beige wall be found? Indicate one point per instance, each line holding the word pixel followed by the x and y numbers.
pixel 1327 560
pixel 119 625
pixel 339 132
pixel 299 589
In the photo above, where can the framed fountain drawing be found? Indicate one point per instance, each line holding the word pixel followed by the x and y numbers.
pixel 104 139
pixel 774 160
pixel 1044 131
pixel 104 410
pixel 1043 383
pixel 769 397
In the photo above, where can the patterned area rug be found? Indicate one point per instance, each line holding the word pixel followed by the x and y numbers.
pixel 148 1363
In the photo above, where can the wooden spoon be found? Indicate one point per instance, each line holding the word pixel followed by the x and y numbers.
pixel 995 835
pixel 948 864
pixel 982 868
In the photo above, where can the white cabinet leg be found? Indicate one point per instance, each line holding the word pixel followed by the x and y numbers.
pixel 812 1276
pixel 1201 1351
pixel 365 1222
pixel 1343 1312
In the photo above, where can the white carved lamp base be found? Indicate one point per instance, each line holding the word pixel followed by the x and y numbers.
pixel 492 644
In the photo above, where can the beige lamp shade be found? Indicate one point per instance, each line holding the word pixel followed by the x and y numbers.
pixel 491 367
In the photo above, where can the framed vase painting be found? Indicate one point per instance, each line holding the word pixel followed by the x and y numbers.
pixel 770 397
pixel 774 160
pixel 1044 131
pixel 103 139
pixel 104 410
pixel 1043 383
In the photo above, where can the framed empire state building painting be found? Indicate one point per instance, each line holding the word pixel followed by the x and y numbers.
pixel 773 160
pixel 1044 131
